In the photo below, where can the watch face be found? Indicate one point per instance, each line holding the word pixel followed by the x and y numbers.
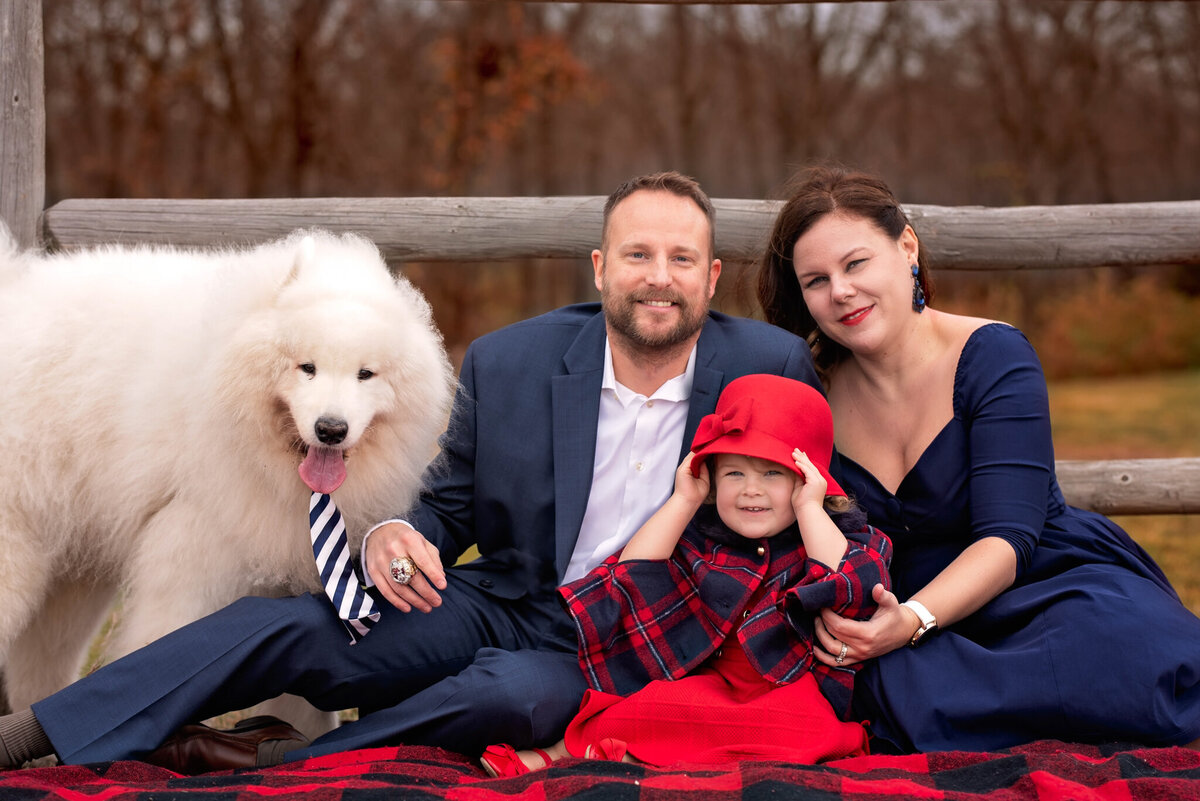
pixel 921 632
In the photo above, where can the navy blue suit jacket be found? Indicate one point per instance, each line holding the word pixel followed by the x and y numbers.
pixel 517 457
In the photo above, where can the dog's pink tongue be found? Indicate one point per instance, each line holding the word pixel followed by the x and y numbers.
pixel 323 469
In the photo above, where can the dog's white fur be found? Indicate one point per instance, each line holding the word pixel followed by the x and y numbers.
pixel 156 406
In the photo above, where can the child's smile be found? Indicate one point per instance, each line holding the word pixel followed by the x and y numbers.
pixel 754 496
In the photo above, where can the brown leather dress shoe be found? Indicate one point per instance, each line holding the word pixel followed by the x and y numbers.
pixel 197 748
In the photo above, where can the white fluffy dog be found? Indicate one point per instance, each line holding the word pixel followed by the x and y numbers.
pixel 162 412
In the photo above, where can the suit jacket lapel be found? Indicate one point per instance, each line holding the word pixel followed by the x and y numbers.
pixel 706 380
pixel 575 397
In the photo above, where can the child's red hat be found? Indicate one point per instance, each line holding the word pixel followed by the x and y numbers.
pixel 768 416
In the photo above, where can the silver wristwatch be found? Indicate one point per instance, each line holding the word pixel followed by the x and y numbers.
pixel 928 621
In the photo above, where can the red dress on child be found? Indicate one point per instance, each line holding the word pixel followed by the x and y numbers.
pixel 707 656
pixel 723 711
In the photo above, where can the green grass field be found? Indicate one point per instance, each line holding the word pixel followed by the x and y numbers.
pixel 1150 416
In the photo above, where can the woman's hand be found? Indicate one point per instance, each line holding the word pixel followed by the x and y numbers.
pixel 891 627
pixel 396 541
pixel 976 576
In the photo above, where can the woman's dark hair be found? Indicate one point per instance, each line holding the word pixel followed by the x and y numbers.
pixel 812 195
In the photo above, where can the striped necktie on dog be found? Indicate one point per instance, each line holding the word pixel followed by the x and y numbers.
pixel 354 606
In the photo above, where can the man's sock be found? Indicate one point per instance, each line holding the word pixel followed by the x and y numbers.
pixel 22 739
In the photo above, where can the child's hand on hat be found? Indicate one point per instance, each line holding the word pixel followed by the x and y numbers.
pixel 693 489
pixel 811 487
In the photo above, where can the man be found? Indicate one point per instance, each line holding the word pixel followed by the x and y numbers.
pixel 564 439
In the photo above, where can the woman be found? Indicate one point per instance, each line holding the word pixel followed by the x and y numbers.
pixel 1028 619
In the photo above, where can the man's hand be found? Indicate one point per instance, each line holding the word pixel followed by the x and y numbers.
pixel 396 540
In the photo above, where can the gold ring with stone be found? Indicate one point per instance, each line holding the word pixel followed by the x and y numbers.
pixel 403 570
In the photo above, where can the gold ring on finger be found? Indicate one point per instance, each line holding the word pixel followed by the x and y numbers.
pixel 403 570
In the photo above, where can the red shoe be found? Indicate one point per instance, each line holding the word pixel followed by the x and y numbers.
pixel 501 760
pixel 608 748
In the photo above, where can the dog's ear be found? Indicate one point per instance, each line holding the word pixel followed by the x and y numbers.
pixel 306 254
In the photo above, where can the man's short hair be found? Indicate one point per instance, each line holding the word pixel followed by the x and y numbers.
pixel 669 181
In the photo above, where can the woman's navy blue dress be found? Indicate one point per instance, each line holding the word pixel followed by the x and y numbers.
pixel 1090 644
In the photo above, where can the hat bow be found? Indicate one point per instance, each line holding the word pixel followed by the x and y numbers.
pixel 732 420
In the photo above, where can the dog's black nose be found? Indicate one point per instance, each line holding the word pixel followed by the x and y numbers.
pixel 331 430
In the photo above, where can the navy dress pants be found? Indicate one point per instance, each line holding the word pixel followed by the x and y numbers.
pixel 475 670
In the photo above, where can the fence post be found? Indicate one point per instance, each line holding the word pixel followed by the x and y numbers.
pixel 22 119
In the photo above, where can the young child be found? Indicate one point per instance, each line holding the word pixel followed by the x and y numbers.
pixel 697 638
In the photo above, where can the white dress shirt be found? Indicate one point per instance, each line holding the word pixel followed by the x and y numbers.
pixel 638 440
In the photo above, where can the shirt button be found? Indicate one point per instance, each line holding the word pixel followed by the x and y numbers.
pixel 487 584
pixel 638 466
pixel 761 550
pixel 649 404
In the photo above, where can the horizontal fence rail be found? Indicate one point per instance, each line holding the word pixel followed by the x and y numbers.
pixel 1132 486
pixel 692 2
pixel 484 229
pixel 481 229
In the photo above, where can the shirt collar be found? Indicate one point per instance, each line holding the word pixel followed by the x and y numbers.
pixel 678 388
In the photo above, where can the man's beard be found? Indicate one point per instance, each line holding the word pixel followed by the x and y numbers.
pixel 621 315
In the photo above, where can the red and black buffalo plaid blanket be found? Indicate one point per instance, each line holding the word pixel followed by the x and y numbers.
pixel 1045 771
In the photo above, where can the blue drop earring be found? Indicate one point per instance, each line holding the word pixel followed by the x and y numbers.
pixel 918 292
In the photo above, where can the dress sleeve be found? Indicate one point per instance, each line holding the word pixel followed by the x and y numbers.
pixel 643 620
pixel 1000 394
pixel 846 590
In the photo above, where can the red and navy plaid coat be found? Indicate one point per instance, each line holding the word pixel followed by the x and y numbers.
pixel 642 620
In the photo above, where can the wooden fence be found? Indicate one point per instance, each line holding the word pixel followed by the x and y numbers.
pixel 491 229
